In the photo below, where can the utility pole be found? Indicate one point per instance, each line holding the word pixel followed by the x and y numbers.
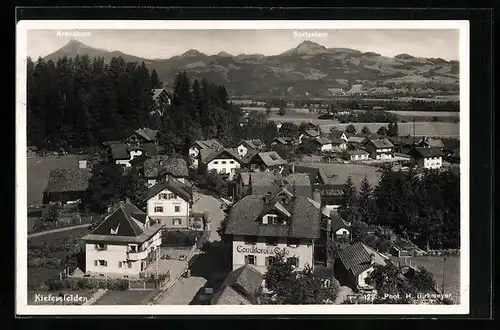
pixel 442 287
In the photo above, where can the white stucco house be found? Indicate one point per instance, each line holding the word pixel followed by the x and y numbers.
pixel 358 154
pixel 169 203
pixel 194 150
pixel 427 157
pixel 249 145
pixel 380 148
pixel 123 245
pixel 324 144
pixel 225 161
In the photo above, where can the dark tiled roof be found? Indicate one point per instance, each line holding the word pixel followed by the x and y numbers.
pixel 312 133
pixel 246 281
pixel 381 143
pixel 337 222
pixel 119 151
pixel 282 140
pixel 270 158
pixel 162 164
pixel 207 155
pixel 336 134
pixel 253 144
pixel 146 234
pixel 357 258
pixel 435 143
pixel 126 220
pixel 404 140
pixel 244 218
pixel 209 144
pixel 427 152
pixel 180 189
pixel 330 189
pixel 147 133
pixel 356 139
pixel 269 182
pixel 323 140
pixel 150 149
pixel 314 173
pixel 68 179
pixel 337 141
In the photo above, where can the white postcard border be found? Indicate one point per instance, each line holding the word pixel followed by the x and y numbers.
pixel 22 308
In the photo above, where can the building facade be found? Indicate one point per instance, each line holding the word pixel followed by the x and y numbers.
pixel 123 245
pixel 427 157
pixel 380 149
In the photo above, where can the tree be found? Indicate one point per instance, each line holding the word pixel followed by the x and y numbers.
pixel 365 201
pixel 349 210
pixel 282 111
pixel 392 129
pixel 345 154
pixel 351 129
pixel 155 81
pixel 390 286
pixel 291 287
pixel 289 130
pixel 365 130
pixel 53 212
pixel 382 131
pixel 268 108
pixel 214 181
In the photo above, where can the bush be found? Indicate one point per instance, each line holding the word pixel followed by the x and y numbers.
pixel 87 283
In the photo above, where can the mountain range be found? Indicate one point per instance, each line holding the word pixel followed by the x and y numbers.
pixel 308 69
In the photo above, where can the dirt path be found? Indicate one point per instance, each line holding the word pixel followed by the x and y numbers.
pixel 57 230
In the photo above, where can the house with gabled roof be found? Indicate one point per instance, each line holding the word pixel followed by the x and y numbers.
pixel 161 99
pixel 157 168
pixel 195 149
pixel 427 157
pixel 262 226
pixel 169 202
pixel 355 263
pixel 123 245
pixel 336 134
pixel 67 184
pixel 224 161
pixel 141 136
pixel 123 153
pixel 241 287
pixel 246 145
pixel 358 154
pixel 380 148
pixel 261 183
pixel 324 144
pixel 264 161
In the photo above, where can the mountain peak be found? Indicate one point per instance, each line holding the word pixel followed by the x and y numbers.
pixel 224 54
pixel 307 47
pixel 192 53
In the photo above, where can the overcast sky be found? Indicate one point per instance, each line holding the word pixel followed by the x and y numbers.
pixel 152 44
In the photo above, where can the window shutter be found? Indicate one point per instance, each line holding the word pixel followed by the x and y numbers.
pixel 119 264
pixel 96 262
pixel 105 263
pixel 173 221
pixel 246 260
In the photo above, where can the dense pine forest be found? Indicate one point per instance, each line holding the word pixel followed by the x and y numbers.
pixel 80 102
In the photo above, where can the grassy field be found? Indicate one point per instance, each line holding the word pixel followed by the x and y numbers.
pixel 404 129
pixel 38 174
pixel 436 265
pixel 38 275
pixel 343 171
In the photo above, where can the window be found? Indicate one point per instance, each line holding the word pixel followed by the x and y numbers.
pixel 101 263
pixel 223 162
pixel 273 241
pixel 163 196
pixel 176 222
pixel 177 208
pixel 272 218
pixel 251 240
pixel 294 261
pixel 269 260
pixel 250 260
pixel 216 162
pixel 293 242
pixel 172 196
pixel 132 248
pixel 158 209
pixel 129 264
pixel 101 247
pixel 231 162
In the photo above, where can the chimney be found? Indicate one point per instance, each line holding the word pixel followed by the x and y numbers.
pixel 121 203
pixel 372 258
pixel 317 196
pixel 127 200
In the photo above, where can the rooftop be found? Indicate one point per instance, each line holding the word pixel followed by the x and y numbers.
pixel 244 217
pixel 381 143
pixel 68 179
pixel 427 152
pixel 208 144
pixel 244 282
pixel 207 155
pixel 175 186
pixel 269 158
pixel 162 164
pixel 357 258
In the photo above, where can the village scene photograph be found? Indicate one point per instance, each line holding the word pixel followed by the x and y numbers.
pixel 243 167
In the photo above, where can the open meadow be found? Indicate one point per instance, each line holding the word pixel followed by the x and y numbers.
pixel 38 174
pixel 47 254
pixel 436 265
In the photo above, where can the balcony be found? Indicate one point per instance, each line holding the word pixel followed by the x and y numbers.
pixel 134 255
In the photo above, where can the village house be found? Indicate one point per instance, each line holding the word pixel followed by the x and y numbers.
pixel 122 154
pixel 358 154
pixel 282 141
pixel 340 229
pixel 380 149
pixel 156 169
pixel 355 263
pixel 194 150
pixel 404 144
pixel 427 157
pixel 316 175
pixel 338 145
pixel 310 134
pixel 356 141
pixel 241 287
pixel 247 145
pixel 161 99
pixel 331 195
pixel 336 134
pixel 123 245
pixel 263 225
pixel 261 183
pixel 67 185
pixel 31 151
pixel 264 161
pixel 141 136
pixel 324 144
pixel 431 142
pixel 224 161
pixel 170 203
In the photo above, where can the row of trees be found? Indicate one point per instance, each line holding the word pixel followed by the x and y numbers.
pixel 373 116
pixel 78 102
pixel 391 130
pixel 421 207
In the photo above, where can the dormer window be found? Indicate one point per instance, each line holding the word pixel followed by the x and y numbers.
pixel 272 219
